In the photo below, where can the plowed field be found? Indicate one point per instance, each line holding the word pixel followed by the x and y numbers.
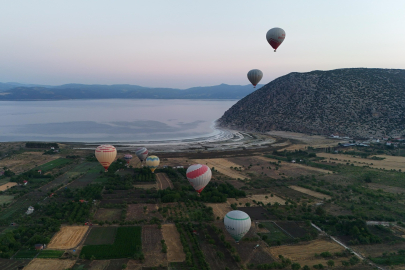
pixel 175 251
pixel 68 237
pixel 152 247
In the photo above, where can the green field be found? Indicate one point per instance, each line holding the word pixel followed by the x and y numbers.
pixel 6 199
pixel 50 254
pixel 275 236
pixel 127 243
pixel 14 211
pixel 60 162
pixel 101 236
pixel 26 254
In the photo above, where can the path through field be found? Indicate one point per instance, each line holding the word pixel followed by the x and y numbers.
pixel 163 181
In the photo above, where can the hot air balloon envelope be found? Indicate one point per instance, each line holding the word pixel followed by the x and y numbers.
pixel 141 153
pixel 237 223
pixel 152 162
pixel 106 154
pixel 275 36
pixel 255 76
pixel 199 176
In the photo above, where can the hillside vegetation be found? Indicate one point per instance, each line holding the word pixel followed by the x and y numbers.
pixel 356 102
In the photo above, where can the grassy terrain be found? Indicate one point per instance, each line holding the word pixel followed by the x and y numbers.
pixel 275 236
pixel 26 254
pixel 101 236
pixel 127 244
pixel 50 254
pixel 53 164
pixel 5 199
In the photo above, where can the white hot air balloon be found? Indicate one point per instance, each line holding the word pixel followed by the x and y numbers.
pixel 141 153
pixel 199 176
pixel 255 76
pixel 237 223
pixel 275 36
pixel 106 154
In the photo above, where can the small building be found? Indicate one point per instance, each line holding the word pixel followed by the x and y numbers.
pixel 40 171
pixel 25 182
pixel 50 196
pixel 39 247
pixel 30 210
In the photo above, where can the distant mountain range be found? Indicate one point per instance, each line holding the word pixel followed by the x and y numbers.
pixel 358 102
pixel 16 91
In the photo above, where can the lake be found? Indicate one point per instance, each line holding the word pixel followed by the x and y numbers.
pixel 110 120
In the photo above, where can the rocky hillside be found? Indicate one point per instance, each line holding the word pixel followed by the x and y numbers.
pixel 356 102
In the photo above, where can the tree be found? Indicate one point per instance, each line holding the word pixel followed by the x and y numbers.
pixel 295 266
pixel 306 267
pixel 331 263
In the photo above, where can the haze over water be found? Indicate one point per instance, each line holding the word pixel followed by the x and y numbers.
pixel 109 120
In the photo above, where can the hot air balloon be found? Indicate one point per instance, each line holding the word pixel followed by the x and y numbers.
pixel 141 153
pixel 199 176
pixel 275 36
pixel 106 154
pixel 255 76
pixel 128 158
pixel 152 162
pixel 237 223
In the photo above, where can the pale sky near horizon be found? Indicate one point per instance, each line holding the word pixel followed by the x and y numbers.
pixel 192 43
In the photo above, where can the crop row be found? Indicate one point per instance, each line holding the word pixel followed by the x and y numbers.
pixel 127 244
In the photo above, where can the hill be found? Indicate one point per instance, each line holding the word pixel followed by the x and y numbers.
pixel 356 102
pixel 82 91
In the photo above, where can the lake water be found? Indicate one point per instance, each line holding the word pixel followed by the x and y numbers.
pixel 109 120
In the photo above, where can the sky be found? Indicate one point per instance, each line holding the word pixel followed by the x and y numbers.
pixel 183 43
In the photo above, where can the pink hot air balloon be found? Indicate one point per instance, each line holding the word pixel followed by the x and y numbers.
pixel 199 176
pixel 275 36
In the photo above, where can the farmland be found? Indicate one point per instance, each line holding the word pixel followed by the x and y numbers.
pixel 54 264
pixel 145 220
pixel 7 186
pixel 127 244
pixel 68 237
pixel 101 236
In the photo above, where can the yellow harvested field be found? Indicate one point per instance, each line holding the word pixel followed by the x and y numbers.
pixel 389 162
pixel 175 251
pixel 304 253
pixel 223 166
pixel 219 209
pixel 262 198
pixel 311 193
pixel 7 186
pixel 68 237
pixel 26 161
pixel 54 264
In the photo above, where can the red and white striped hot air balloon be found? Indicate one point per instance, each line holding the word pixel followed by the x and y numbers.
pixel 106 154
pixel 275 36
pixel 199 176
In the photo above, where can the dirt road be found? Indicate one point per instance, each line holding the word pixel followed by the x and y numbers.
pixel 163 181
